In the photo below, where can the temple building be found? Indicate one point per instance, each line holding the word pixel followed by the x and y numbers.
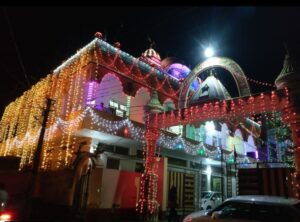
pixel 96 125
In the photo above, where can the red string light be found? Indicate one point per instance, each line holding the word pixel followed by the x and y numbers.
pixel 260 83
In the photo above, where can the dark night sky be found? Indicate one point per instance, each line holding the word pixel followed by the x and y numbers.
pixel 45 36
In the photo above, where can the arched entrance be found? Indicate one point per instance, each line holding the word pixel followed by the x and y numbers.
pixel 285 99
pixel 228 64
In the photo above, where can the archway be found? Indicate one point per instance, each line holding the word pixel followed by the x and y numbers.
pixel 228 64
pixel 138 102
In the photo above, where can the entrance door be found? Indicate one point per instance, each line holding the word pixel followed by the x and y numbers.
pixel 216 184
pixel 189 192
pixel 185 185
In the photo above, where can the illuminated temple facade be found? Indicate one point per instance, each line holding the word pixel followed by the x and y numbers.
pixel 101 95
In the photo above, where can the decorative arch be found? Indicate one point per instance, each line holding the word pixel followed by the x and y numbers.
pixel 231 66
pixel 224 135
pixel 109 88
pixel 239 142
pixel 251 144
pixel 137 104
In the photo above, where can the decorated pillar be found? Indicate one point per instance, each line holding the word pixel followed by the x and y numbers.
pixel 289 79
pixel 148 205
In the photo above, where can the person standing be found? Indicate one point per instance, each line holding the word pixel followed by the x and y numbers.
pixel 173 204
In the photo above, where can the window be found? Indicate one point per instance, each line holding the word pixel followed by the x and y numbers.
pixel 216 183
pixel 219 142
pixel 109 148
pixel 113 104
pixel 264 212
pixel 122 107
pixel 195 165
pixel 206 195
pixel 175 161
pixel 121 110
pixel 139 167
pixel 119 113
pixel 122 150
pixel 112 163
pixel 235 210
pixel 214 141
pixel 203 182
pixel 217 196
pixel 139 154
pixel 175 129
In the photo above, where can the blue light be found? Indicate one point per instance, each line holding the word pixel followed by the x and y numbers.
pixel 179 146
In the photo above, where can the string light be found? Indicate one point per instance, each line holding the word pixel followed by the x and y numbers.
pixel 20 128
pixel 260 83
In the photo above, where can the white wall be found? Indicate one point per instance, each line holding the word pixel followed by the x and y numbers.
pixel 239 142
pixel 110 88
pixel 127 165
pixel 224 135
pixel 138 102
pixel 250 145
pixel 109 187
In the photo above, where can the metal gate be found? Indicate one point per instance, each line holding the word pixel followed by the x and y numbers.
pixel 185 185
pixel 265 178
pixel 81 193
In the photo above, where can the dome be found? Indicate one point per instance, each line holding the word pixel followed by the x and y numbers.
pixel 150 53
pixel 211 88
pixel 151 57
pixel 178 70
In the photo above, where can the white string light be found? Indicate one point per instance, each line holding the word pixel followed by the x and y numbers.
pixel 137 134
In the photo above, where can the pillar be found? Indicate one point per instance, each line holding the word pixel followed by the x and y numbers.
pixel 291 116
pixel 148 205
pixel 289 79
pixel 148 202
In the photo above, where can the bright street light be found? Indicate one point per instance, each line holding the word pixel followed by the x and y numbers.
pixel 208 170
pixel 210 127
pixel 209 52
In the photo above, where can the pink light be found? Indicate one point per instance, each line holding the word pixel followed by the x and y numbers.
pixel 90 92
pixel 256 154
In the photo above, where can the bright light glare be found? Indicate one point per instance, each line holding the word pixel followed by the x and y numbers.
pixel 5 217
pixel 209 52
pixel 210 127
pixel 208 170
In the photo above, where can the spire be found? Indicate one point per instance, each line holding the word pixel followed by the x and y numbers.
pixel 152 44
pixel 151 53
pixel 151 56
pixel 154 104
pixel 290 70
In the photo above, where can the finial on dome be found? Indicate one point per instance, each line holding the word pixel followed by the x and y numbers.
pixel 151 53
pixel 98 35
pixel 151 56
pixel 152 43
pixel 286 49
pixel 117 45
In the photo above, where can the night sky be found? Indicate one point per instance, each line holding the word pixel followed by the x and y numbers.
pixel 46 36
